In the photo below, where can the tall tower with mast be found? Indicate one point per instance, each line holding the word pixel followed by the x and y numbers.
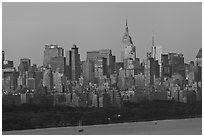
pixel 128 55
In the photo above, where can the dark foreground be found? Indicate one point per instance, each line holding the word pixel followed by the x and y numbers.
pixel 163 127
pixel 35 117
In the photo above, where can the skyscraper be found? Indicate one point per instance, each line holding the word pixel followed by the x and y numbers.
pixel 128 54
pixel 176 62
pixel 58 62
pixel 92 55
pixel 68 64
pixel 58 81
pixel 103 53
pixel 3 58
pixel 7 64
pixel 149 71
pixel 100 68
pixel 199 65
pixel 30 83
pixel 51 51
pixel 156 53
pixel 199 58
pixel 107 53
pixel 24 66
pixel 165 66
pixel 9 79
pixel 48 79
pixel 88 71
pixel 73 63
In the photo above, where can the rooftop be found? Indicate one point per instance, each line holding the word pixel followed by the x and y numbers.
pixel 199 55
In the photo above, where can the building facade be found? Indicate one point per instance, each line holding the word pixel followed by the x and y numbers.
pixel 73 64
pixel 58 63
pixel 88 71
pixel 9 79
pixel 51 50
pixel 24 66
pixel 103 53
pixel 128 54
pixel 48 79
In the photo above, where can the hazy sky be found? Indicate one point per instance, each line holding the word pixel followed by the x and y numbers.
pixel 27 27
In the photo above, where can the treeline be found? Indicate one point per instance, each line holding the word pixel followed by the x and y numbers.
pixel 39 116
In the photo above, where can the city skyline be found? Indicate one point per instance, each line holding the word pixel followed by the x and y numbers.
pixel 95 26
pixel 67 65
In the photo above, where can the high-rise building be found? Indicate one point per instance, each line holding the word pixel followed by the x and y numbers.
pixel 58 81
pixel 156 53
pixel 32 71
pixel 50 51
pixel 107 53
pixel 9 79
pixel 139 81
pixel 21 81
pixel 121 79
pixel 69 64
pixel 128 54
pixel 140 69
pixel 190 73
pixel 7 64
pixel 156 69
pixel 165 66
pixel 58 63
pixel 3 58
pixel 3 55
pixel 103 53
pixel 149 71
pixel 73 63
pixel 198 64
pixel 176 62
pixel 199 58
pixel 30 83
pixel 92 55
pixel 39 78
pixel 118 66
pixel 24 66
pixel 172 63
pixel 88 71
pixel 100 67
pixel 48 79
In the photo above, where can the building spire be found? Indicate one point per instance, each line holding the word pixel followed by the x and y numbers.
pixel 153 46
pixel 126 23
pixel 153 38
pixel 126 29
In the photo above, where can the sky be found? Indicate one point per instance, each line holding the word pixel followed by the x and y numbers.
pixel 27 27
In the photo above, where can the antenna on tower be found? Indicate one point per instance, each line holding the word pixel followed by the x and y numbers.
pixel 126 22
pixel 126 27
pixel 152 38
pixel 153 45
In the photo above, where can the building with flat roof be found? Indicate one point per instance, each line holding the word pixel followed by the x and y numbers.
pixel 51 50
pixel 73 64
pixel 24 66
pixel 58 62
pixel 9 79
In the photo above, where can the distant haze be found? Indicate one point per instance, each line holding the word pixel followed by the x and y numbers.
pixel 27 27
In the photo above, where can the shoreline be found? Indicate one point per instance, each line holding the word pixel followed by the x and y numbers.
pixel 164 124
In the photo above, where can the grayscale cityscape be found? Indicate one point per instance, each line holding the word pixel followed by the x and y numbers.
pixel 129 68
